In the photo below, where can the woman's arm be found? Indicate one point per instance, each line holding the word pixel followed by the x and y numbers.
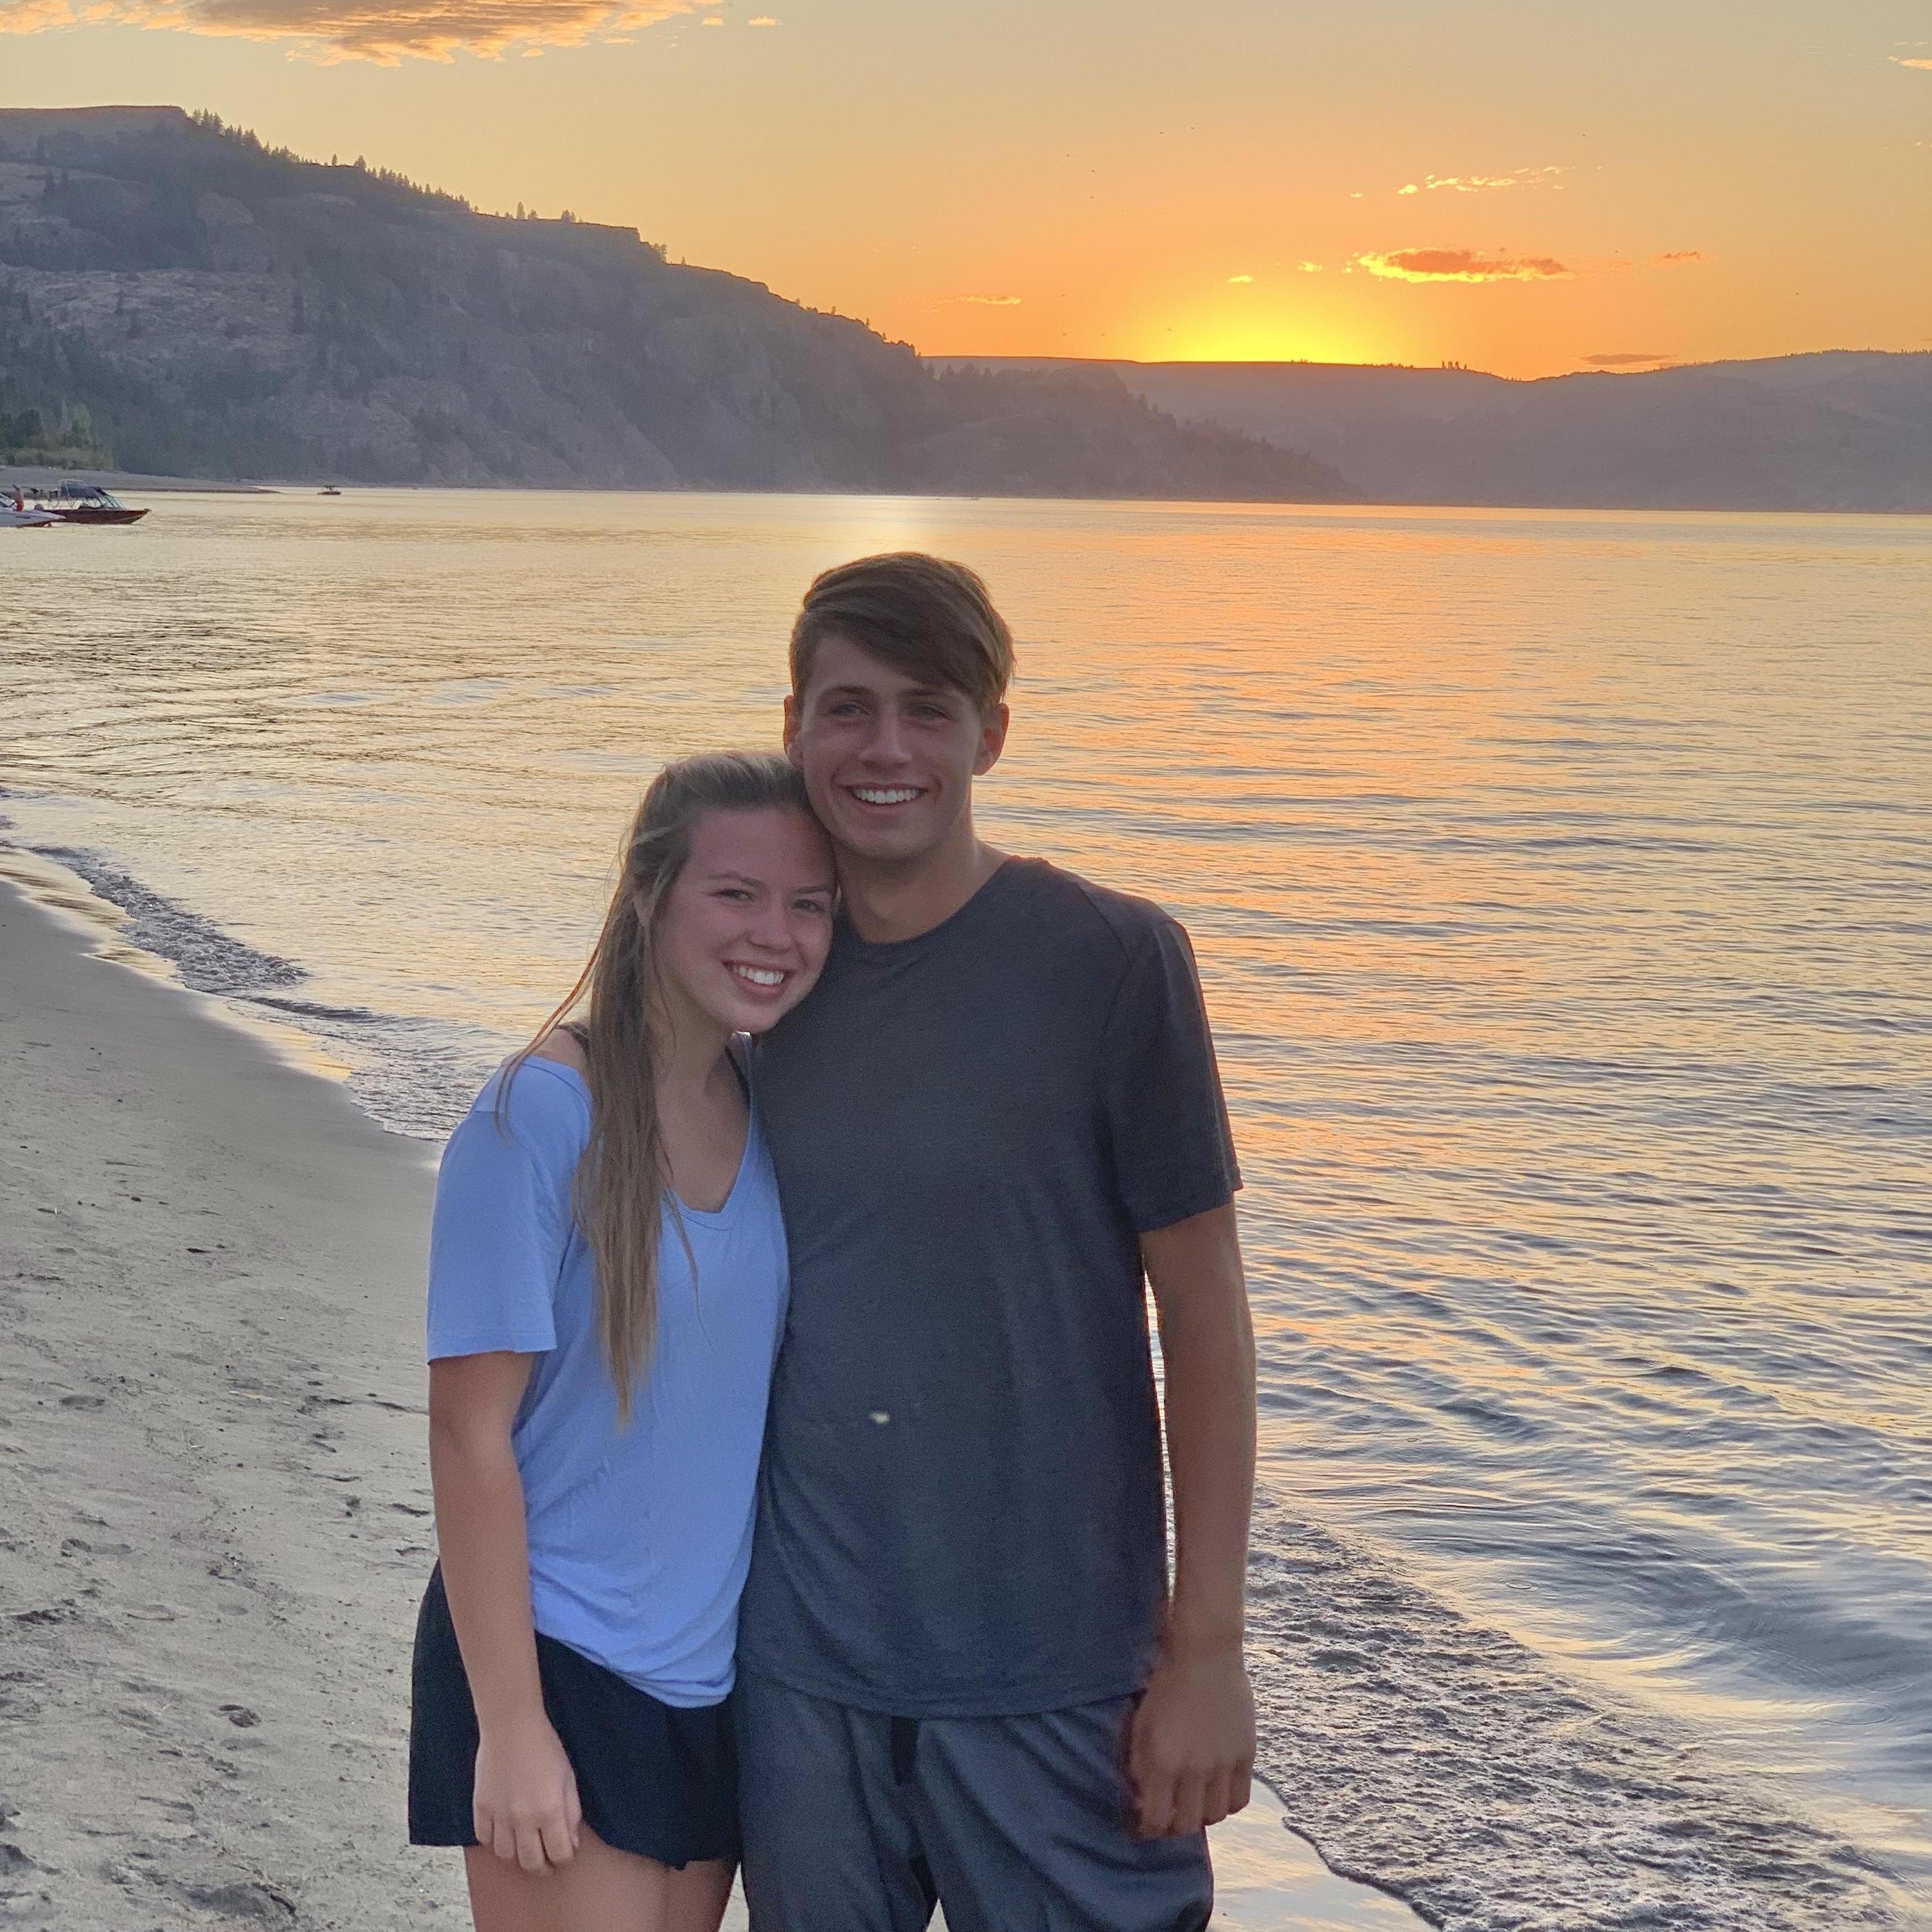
pixel 527 1804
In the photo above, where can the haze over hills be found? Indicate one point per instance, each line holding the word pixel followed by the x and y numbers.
pixel 1843 429
pixel 174 293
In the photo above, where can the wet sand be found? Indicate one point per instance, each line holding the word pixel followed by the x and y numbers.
pixel 217 1514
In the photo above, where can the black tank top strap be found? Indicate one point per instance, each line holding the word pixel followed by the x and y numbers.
pixel 737 1051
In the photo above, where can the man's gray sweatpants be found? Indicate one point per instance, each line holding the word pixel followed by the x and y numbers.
pixel 855 1822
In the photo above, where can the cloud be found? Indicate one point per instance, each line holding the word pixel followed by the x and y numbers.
pixel 1904 60
pixel 38 16
pixel 762 20
pixel 1240 278
pixel 1621 359
pixel 1309 268
pixel 1673 257
pixel 988 302
pixel 1543 177
pixel 385 31
pixel 1461 265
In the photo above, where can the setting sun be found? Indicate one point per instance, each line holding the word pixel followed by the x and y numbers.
pixel 1212 334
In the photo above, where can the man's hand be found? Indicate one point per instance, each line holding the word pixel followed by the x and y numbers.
pixel 1191 1748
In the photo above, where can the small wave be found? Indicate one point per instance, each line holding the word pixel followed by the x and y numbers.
pixel 414 1077
pixel 315 1009
pixel 1442 1762
pixel 208 959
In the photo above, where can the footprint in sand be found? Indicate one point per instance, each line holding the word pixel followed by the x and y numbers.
pixel 65 1611
pixel 261 1902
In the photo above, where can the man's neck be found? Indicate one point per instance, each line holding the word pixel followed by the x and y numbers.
pixel 884 903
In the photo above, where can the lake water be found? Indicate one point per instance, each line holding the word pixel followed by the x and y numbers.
pixel 1562 884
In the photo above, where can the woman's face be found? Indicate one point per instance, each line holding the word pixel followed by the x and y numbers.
pixel 745 928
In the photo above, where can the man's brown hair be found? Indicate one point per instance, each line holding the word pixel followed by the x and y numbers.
pixel 924 617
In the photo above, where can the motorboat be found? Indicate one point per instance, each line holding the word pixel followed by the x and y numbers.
pixel 14 515
pixel 86 503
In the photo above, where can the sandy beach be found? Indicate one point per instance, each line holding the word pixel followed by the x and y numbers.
pixel 45 476
pixel 211 1416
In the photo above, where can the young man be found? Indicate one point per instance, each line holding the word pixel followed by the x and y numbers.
pixel 962 1673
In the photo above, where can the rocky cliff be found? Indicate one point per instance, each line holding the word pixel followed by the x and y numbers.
pixel 207 306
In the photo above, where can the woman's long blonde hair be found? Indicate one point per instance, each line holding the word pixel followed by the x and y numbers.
pixel 623 1177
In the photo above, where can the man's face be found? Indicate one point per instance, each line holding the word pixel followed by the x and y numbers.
pixel 889 762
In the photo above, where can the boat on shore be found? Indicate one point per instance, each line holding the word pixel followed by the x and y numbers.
pixel 86 503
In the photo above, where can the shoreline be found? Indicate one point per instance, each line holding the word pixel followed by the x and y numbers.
pixel 213 1415
pixel 46 476
pixel 29 477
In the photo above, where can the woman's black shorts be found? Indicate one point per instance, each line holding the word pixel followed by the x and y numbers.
pixel 652 1778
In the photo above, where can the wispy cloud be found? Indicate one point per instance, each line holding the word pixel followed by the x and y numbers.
pixel 1240 278
pixel 988 301
pixel 1674 257
pixel 1621 359
pixel 1543 177
pixel 1309 268
pixel 386 32
pixel 1461 265
pixel 1910 60
pixel 38 16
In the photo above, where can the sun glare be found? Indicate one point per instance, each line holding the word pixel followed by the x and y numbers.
pixel 1250 342
pixel 1216 335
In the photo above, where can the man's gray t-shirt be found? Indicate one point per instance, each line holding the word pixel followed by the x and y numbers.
pixel 961 1503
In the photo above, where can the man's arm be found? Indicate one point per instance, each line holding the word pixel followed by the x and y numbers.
pixel 1193 1743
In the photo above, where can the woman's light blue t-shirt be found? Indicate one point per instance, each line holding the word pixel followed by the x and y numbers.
pixel 640 1537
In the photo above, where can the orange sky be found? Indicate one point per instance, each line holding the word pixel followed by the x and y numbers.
pixel 1524 187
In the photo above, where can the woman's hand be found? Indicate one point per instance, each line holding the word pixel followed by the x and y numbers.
pixel 527 1810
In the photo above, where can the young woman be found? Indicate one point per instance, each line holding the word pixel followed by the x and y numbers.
pixel 607 1281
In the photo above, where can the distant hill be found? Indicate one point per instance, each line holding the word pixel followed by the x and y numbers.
pixel 175 293
pixel 1843 429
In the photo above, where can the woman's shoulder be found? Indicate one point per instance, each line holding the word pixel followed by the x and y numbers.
pixel 565 1046
pixel 540 1100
